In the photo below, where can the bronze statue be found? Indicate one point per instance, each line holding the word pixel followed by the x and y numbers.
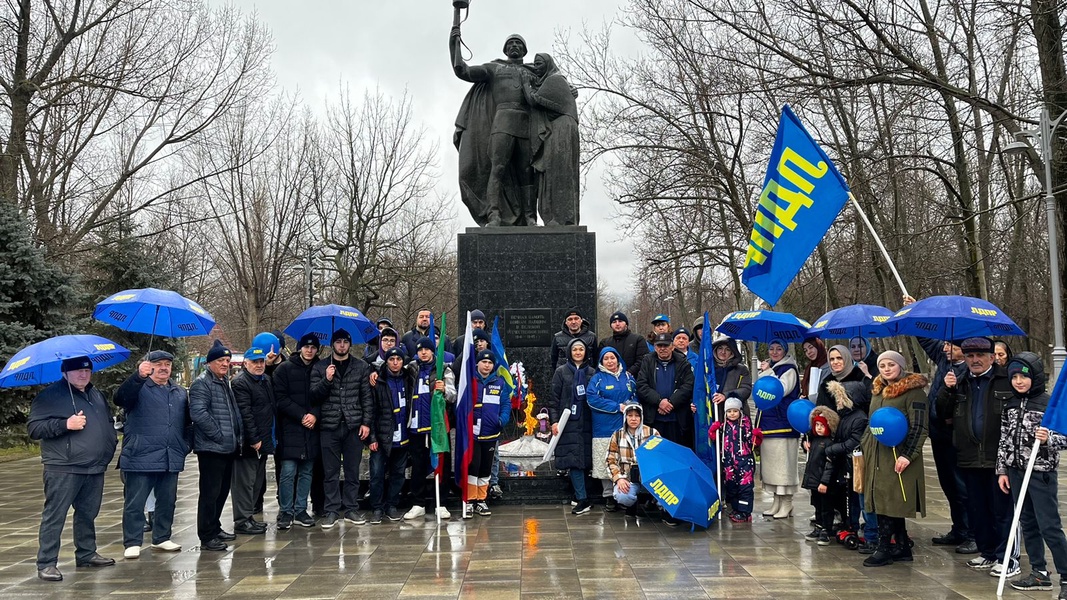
pixel 517 137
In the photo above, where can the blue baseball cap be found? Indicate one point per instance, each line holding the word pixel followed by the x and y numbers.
pixel 661 317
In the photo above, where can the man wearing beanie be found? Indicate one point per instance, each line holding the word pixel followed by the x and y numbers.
pixel 424 372
pixel 629 345
pixel 477 324
pixel 975 403
pixel 216 439
pixel 389 456
pixel 491 409
pixel 341 388
pixel 72 421
pixel 574 326
pixel 298 438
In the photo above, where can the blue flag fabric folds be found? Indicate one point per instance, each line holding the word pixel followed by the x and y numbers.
pixel 704 389
pixel 1056 414
pixel 802 194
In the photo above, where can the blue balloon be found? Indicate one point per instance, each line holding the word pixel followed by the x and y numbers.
pixel 889 426
pixel 767 392
pixel 263 344
pixel 799 414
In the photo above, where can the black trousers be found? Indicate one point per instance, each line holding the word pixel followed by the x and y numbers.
pixel 61 492
pixel 988 505
pixel 826 504
pixel 671 431
pixel 216 471
pixel 341 448
pixel 318 494
pixel 950 479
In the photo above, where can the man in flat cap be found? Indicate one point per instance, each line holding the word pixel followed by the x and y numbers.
pixel 156 440
pixel 340 388
pixel 73 423
pixel 975 402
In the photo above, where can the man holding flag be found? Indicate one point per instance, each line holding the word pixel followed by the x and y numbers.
pixel 421 422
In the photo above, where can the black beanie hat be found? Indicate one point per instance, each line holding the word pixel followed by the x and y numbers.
pixel 486 354
pixel 395 351
pixel 75 363
pixel 217 351
pixel 341 334
pixel 618 316
pixel 424 343
pixel 309 339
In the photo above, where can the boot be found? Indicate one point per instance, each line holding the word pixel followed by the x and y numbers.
pixel 774 506
pixel 881 556
pixel 785 509
pixel 901 551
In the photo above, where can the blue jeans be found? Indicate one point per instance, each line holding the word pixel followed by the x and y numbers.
pixel 61 492
pixel 387 466
pixel 630 498
pixel 494 475
pixel 578 481
pixel 138 486
pixel 870 525
pixel 300 470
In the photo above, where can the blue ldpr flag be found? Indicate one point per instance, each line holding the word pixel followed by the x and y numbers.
pixel 1056 414
pixel 704 389
pixel 802 194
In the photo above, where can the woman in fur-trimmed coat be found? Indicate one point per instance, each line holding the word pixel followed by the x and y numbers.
pixel 890 497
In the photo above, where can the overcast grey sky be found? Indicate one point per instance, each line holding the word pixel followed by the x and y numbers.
pixel 400 45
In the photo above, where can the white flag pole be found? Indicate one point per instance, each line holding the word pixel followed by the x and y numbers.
pixel 1015 518
pixel 878 241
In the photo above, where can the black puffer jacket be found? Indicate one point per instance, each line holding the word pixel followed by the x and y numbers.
pixel 255 400
pixel 849 431
pixel 292 391
pixel 346 398
pixel 856 384
pixel 821 469
pixel 384 420
pixel 682 396
pixel 976 449
pixel 216 420
pixel 561 342
pixel 631 346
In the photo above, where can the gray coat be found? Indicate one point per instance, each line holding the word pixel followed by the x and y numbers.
pixel 216 420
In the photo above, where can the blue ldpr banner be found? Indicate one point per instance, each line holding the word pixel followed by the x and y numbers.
pixel 802 194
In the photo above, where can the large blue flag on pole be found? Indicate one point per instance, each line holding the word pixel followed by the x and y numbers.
pixel 704 389
pixel 802 194
pixel 1056 413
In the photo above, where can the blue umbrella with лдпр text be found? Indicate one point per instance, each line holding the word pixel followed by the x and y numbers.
pixel 862 320
pixel 952 318
pixel 40 363
pixel 322 321
pixel 682 484
pixel 764 326
pixel 155 312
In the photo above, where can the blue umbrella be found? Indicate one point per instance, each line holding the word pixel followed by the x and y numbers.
pixel 324 320
pixel 764 326
pixel 156 312
pixel 39 363
pixel 863 320
pixel 681 482
pixel 952 318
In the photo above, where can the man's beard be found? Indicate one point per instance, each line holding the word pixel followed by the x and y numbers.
pixel 339 354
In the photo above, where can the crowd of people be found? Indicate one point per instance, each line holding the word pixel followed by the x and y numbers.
pixel 981 411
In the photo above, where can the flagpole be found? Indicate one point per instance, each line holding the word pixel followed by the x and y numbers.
pixel 437 494
pixel 718 454
pixel 1015 517
pixel 878 240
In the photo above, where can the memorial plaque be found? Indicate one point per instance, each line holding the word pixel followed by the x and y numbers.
pixel 528 327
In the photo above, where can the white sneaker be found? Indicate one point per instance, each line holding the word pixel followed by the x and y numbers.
pixel 1013 568
pixel 981 564
pixel 415 513
pixel 443 513
pixel 167 546
pixel 131 553
pixel 468 510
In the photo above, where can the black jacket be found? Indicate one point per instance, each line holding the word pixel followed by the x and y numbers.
pixel 292 394
pixel 681 397
pixel 216 419
pixel 736 384
pixel 562 340
pixel 87 451
pixel 976 449
pixel 575 447
pixel 819 469
pixel 411 338
pixel 255 400
pixel 856 384
pixel 850 428
pixel 631 346
pixel 384 422
pixel 345 399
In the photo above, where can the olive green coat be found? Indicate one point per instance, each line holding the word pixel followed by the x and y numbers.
pixel 881 487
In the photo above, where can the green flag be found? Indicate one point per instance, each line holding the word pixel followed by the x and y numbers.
pixel 438 419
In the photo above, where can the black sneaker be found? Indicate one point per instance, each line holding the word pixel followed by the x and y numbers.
pixel 393 514
pixel 495 492
pixel 631 512
pixel 824 539
pixel 866 548
pixel 329 521
pixel 377 516
pixel 949 539
pixel 356 518
pixel 482 509
pixel 285 521
pixel 813 534
pixel 303 519
pixel 1063 590
pixel 1034 581
pixel 582 508
pixel 610 505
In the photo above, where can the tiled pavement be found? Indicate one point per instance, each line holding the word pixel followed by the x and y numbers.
pixel 527 552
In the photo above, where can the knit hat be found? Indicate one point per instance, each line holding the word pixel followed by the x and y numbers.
pixel 487 354
pixel 309 339
pixel 820 419
pixel 681 330
pixel 618 316
pixel 1030 365
pixel 732 403
pixel 977 345
pixel 157 355
pixel 480 334
pixel 395 351
pixel 894 356
pixel 661 317
pixel 424 343
pixel 572 311
pixel 75 363
pixel 217 351
pixel 383 320
pixel 341 334
pixel 477 315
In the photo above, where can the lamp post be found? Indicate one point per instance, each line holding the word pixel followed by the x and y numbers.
pixel 1043 138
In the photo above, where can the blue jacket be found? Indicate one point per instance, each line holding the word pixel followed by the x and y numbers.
pixel 494 397
pixel 213 410
pixel 606 391
pixel 158 432
pixel 87 451
pixel 424 377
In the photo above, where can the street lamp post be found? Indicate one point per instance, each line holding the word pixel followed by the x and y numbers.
pixel 1043 137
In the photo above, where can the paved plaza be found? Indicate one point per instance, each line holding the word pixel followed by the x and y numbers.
pixel 528 552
